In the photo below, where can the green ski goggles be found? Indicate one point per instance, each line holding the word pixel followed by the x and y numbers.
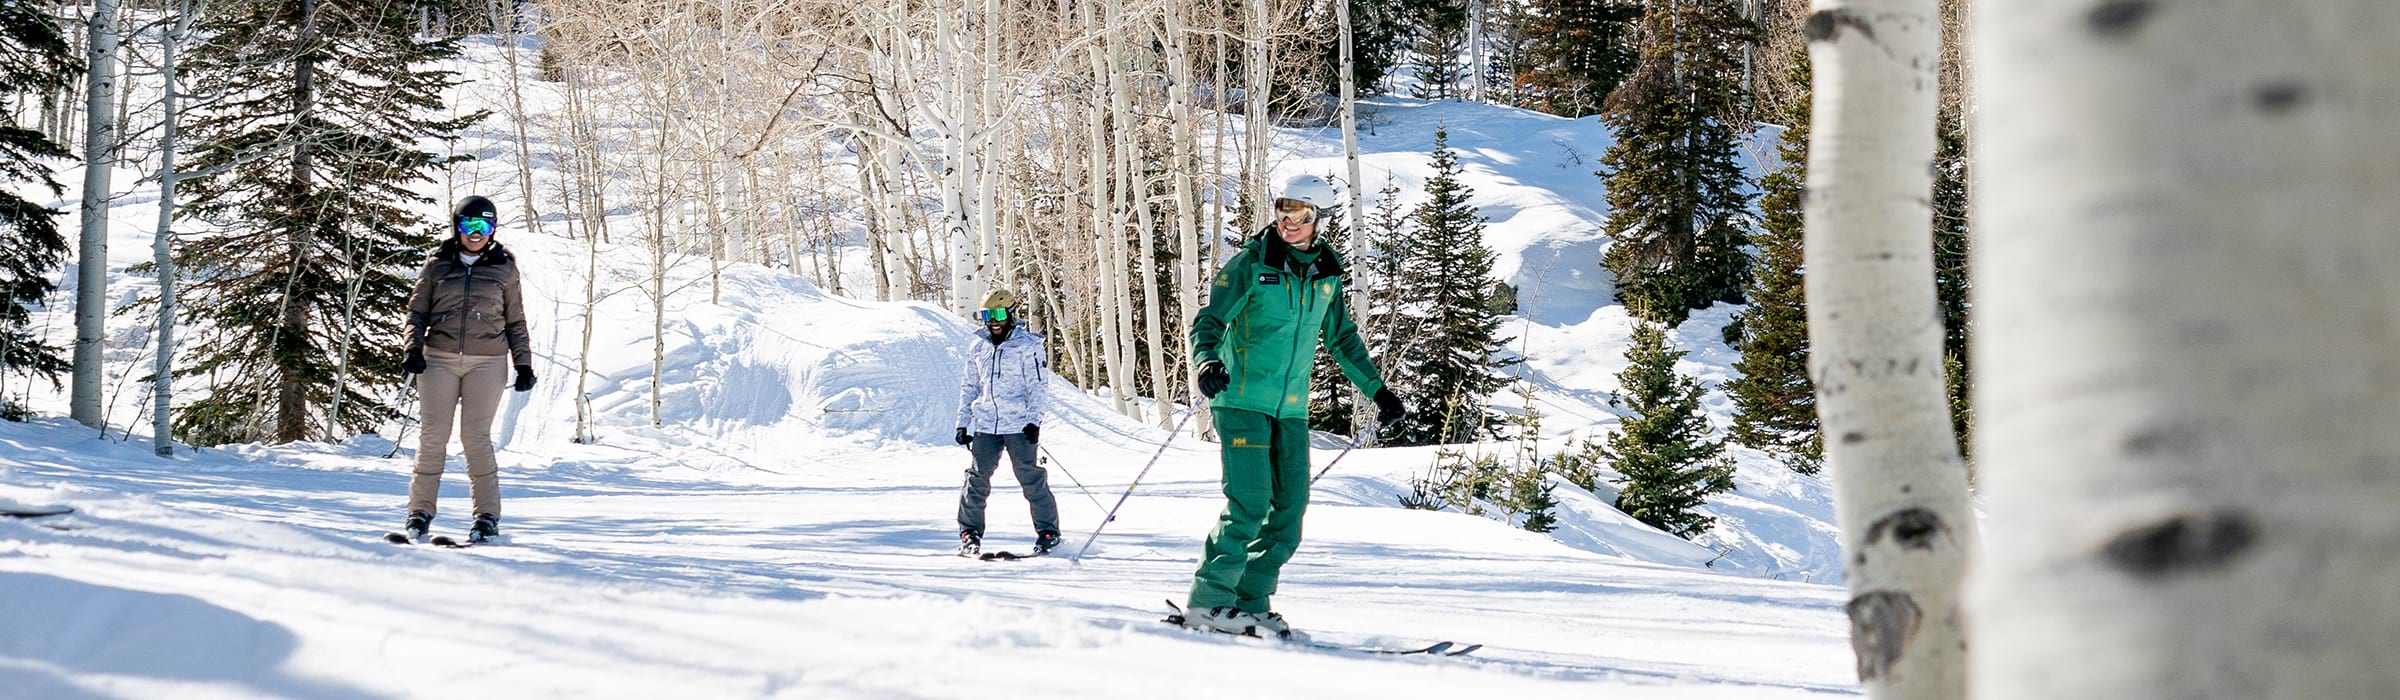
pixel 992 315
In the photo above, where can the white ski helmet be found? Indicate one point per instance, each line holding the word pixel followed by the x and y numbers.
pixel 1308 188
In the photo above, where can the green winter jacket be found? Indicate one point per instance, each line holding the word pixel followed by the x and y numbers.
pixel 1266 312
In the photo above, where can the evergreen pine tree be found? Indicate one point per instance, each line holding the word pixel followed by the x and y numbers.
pixel 1380 316
pixel 1529 490
pixel 318 234
pixel 1439 30
pixel 1950 269
pixel 1329 405
pixel 1774 403
pixel 1446 364
pixel 1577 52
pixel 31 247
pixel 1669 460
pixel 1676 190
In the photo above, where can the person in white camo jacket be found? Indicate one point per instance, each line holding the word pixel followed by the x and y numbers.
pixel 1001 396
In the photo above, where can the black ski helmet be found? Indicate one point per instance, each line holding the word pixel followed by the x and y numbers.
pixel 474 206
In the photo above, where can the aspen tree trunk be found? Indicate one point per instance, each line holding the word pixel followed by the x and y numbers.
pixel 1104 233
pixel 2186 383
pixel 1475 53
pixel 504 18
pixel 1900 487
pixel 895 218
pixel 91 271
pixel 1262 199
pixel 987 190
pixel 1133 192
pixel 162 388
pixel 950 119
pixel 658 283
pixel 1187 224
pixel 1353 211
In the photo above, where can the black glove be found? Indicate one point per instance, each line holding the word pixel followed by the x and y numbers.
pixel 524 377
pixel 1033 433
pixel 1387 406
pixel 414 363
pixel 1213 379
pixel 963 438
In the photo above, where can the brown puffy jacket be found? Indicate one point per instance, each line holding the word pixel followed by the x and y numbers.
pixel 470 309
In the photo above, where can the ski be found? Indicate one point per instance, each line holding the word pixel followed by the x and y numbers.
pixel 1443 648
pixel 398 538
pixel 36 512
pixel 1008 556
pixel 447 541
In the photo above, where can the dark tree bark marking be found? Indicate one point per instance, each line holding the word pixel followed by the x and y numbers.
pixel 2183 544
pixel 1911 528
pixel 2279 97
pixel 2117 19
pixel 1881 624
pixel 1827 25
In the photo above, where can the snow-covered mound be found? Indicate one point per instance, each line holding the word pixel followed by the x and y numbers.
pixel 784 529
pixel 1534 182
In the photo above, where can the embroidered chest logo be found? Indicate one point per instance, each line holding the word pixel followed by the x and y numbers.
pixel 1270 278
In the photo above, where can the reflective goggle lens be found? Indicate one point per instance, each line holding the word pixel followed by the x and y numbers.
pixel 992 315
pixel 474 226
pixel 1296 212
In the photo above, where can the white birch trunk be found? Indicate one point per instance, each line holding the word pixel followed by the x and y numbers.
pixel 2186 383
pixel 91 272
pixel 1900 486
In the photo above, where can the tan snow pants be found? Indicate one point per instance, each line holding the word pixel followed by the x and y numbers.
pixel 452 381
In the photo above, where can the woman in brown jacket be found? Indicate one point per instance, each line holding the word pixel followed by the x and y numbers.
pixel 466 325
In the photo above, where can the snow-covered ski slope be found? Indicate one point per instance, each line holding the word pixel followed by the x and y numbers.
pixel 786 533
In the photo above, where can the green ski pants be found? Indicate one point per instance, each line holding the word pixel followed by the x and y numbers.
pixel 1266 492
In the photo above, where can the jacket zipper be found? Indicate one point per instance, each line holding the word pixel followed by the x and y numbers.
pixel 466 300
pixel 989 392
pixel 1299 301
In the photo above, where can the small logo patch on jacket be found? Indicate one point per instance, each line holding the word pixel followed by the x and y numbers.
pixel 1270 278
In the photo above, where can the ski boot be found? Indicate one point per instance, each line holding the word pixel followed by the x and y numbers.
pixel 1223 618
pixel 1045 541
pixel 970 543
pixel 486 529
pixel 1271 625
pixel 420 523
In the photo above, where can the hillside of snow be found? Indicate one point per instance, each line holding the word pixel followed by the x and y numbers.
pixel 785 530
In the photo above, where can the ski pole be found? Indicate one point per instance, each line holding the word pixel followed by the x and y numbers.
pixel 1337 459
pixel 1048 458
pixel 1137 481
pixel 409 390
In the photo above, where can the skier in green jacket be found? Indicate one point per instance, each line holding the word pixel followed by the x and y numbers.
pixel 1256 343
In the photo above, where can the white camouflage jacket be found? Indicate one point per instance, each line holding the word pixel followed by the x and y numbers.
pixel 1004 386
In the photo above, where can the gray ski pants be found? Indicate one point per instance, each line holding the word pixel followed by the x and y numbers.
pixel 1031 478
